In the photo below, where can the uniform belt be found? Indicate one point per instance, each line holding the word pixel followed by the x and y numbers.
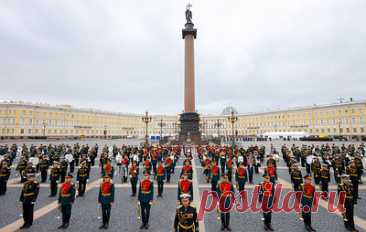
pixel 65 195
pixel 241 176
pixel 186 227
pixel 146 192
pixel 106 194
pixel 3 174
pixel 296 178
pixel 28 194
pixel 349 197
pixel 308 196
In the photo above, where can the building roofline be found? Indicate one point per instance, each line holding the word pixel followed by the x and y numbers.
pixel 95 111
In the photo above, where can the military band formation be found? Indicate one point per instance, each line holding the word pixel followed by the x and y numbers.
pixel 226 168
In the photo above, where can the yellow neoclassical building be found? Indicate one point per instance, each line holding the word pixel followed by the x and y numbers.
pixel 26 120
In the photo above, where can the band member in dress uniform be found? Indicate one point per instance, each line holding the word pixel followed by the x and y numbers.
pixel 215 176
pixel 134 172
pixel 65 200
pixel 359 165
pixel 106 199
pixel 145 199
pixel 229 167
pixel 28 197
pixel 168 168
pixel 82 178
pixel 108 169
pixel 222 158
pixel 187 169
pixel 4 176
pixel 184 187
pixel 352 171
pixel 63 170
pixel 186 216
pixel 346 186
pixel 324 180
pixel 315 167
pixel 296 176
pixel 241 177
pixel 147 165
pixel 272 172
pixel 266 198
pixel 43 167
pixel 125 163
pixel 54 177
pixel 308 191
pixel 160 176
pixel 225 189
pixel 207 168
pixel 22 164
pixel 29 169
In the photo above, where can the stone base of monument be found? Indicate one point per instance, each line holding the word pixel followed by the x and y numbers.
pixel 189 129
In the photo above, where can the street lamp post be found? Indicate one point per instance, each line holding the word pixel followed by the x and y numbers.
pixel 161 124
pixel 44 124
pixel 203 125
pixel 146 119
pixel 218 124
pixel 232 119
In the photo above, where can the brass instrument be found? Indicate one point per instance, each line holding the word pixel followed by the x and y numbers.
pixel 138 210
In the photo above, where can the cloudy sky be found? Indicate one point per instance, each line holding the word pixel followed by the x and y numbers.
pixel 127 56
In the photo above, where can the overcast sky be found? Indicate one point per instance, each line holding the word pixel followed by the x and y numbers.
pixel 127 56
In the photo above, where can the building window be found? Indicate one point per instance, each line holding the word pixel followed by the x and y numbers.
pixel 354 130
pixel 22 131
pixel 347 129
pixel 362 130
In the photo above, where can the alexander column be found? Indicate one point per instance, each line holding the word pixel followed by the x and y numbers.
pixel 190 118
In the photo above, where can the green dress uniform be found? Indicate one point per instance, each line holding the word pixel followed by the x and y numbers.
pixel 28 197
pixel 160 176
pixel 215 176
pixel 145 196
pixel 324 180
pixel 225 188
pixel 186 219
pixel 134 172
pixel 241 177
pixel 54 177
pixel 4 177
pixel 82 177
pixel 296 178
pixel 43 167
pixel 66 199
pixel 266 198
pixel 308 191
pixel 185 187
pixel 106 198
pixel 348 205
pixel 352 171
